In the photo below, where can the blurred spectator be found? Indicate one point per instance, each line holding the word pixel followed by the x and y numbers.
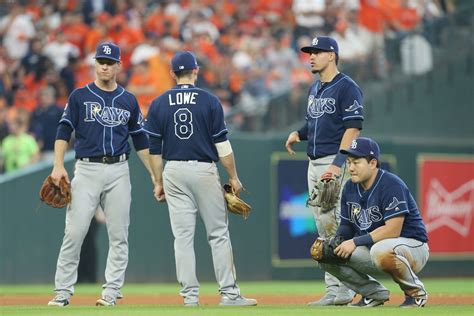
pixel 373 16
pixel 74 30
pixel 93 8
pixel 19 148
pixel 35 61
pixel 17 29
pixel 44 121
pixel 59 50
pixel 309 16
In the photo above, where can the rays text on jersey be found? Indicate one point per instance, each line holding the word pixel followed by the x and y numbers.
pixel 106 116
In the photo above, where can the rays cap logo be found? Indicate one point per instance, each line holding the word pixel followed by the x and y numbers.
pixel 363 147
pixel 108 50
pixel 183 61
pixel 322 43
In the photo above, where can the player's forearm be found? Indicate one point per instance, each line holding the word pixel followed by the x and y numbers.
pixel 144 156
pixel 349 135
pixel 156 165
pixel 60 148
pixel 229 165
pixel 391 229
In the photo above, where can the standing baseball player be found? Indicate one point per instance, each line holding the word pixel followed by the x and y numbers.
pixel 383 231
pixel 186 128
pixel 103 115
pixel 333 119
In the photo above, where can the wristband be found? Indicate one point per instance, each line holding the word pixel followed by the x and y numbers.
pixel 339 159
pixel 364 240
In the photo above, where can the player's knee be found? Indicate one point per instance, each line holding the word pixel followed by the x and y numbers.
pixel 383 257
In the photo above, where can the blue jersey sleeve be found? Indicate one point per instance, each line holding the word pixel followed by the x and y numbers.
pixel 219 130
pixel 153 129
pixel 352 103
pixel 135 124
pixel 394 202
pixel 71 111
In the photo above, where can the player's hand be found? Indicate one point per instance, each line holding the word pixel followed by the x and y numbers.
pixel 345 249
pixel 58 173
pixel 236 186
pixel 332 170
pixel 294 137
pixel 159 193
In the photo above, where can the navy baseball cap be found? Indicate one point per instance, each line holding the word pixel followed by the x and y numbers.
pixel 322 43
pixel 183 60
pixel 363 147
pixel 108 50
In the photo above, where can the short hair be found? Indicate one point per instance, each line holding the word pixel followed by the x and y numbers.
pixel 183 73
pixel 369 158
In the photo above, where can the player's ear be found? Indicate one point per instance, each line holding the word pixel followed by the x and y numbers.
pixel 173 75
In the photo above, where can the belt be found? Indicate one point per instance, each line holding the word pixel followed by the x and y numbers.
pixel 106 159
pixel 317 157
pixel 195 160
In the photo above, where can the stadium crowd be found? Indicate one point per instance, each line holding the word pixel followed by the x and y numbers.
pixel 247 52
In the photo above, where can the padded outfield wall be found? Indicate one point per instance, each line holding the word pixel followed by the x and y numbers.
pixel 31 233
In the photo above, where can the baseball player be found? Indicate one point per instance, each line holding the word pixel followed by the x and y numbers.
pixel 383 231
pixel 103 115
pixel 333 119
pixel 186 128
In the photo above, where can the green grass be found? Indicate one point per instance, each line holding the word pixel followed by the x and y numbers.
pixel 454 286
pixel 436 287
pixel 274 310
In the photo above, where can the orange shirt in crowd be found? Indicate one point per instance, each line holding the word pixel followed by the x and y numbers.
pixel 149 81
pixel 27 96
pixel 76 34
pixel 125 37
pixel 372 15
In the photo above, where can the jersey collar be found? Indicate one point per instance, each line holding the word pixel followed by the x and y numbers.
pixel 184 86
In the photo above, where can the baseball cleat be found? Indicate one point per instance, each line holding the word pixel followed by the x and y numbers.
pixel 106 300
pixel 326 300
pixel 237 301
pixel 414 302
pixel 368 302
pixel 59 300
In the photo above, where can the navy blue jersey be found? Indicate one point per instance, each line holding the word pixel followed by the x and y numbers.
pixel 332 108
pixel 188 121
pixel 102 120
pixel 388 197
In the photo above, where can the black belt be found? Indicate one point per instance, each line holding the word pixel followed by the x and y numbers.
pixel 106 159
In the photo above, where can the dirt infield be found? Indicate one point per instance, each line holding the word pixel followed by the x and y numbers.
pixel 214 300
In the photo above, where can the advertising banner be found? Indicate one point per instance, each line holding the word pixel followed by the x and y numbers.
pixel 447 203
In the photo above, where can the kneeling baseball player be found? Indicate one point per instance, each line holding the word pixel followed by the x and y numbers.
pixel 382 231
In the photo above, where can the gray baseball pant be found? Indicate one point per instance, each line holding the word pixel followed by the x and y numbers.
pixel 327 222
pixel 193 188
pixel 95 183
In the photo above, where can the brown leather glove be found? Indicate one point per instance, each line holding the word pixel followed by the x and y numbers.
pixel 235 204
pixel 53 195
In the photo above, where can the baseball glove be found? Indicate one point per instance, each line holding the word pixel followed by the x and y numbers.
pixel 322 250
pixel 53 195
pixel 235 204
pixel 325 193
